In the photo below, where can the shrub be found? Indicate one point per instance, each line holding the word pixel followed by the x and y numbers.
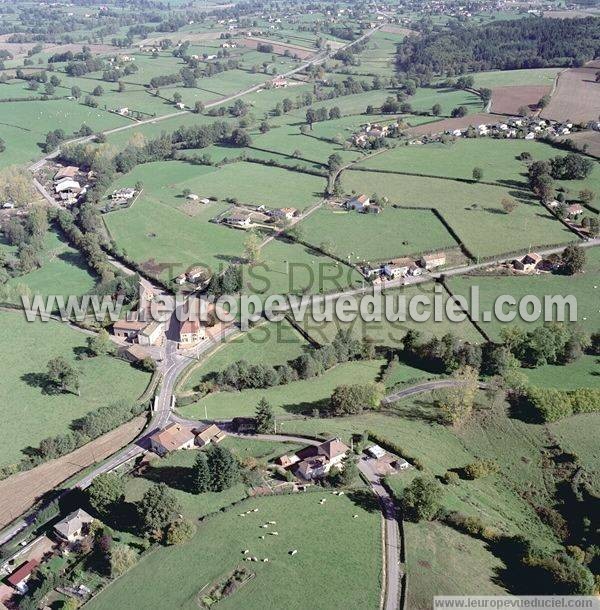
pixel 451 478
pixel 480 468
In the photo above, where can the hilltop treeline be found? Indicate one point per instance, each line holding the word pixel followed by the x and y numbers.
pixel 505 45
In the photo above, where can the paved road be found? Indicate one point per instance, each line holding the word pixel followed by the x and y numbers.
pixel 429 386
pixel 393 571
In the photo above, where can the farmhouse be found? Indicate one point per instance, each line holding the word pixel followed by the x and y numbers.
pixel 279 82
pixel 358 202
pixel 191 332
pixel 123 111
pixel 192 197
pixel 431 261
pixel 287 213
pixel 74 526
pixel 210 434
pixel 18 579
pixel 574 209
pixel 315 462
pixel 398 268
pixel 172 438
pixel 70 171
pixel 124 194
pixel 238 220
pixel 67 185
pixel 196 275
pixel 128 329
pixel 527 263
pixel 151 334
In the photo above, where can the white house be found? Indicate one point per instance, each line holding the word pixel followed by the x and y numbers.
pixel 431 261
pixel 398 268
pixel 358 202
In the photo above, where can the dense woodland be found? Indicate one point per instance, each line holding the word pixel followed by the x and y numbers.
pixel 506 45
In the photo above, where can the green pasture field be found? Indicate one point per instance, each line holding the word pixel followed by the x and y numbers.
pixel 175 470
pixel 314 147
pixel 579 435
pixel 473 210
pixel 442 561
pixel 28 414
pixel 273 344
pixel 504 78
pixel 391 333
pixel 290 268
pixel 583 373
pixel 25 125
pixel 377 237
pixel 63 271
pixel 491 433
pixel 156 227
pixel 585 287
pixel 296 397
pixel 425 98
pixel 497 158
pixel 301 520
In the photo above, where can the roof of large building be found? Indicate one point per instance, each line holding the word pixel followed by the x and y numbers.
pixel 173 436
pixel 73 523
pixel 189 326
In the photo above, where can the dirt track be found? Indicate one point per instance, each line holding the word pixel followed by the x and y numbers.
pixel 21 491
pixel 577 95
pixel 508 100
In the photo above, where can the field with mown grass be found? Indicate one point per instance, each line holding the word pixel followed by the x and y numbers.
pixel 377 237
pixel 287 267
pixel 497 158
pixel 292 398
pixel 505 78
pixel 285 581
pixel 30 415
pixel 472 210
pixel 442 561
pixel 63 271
pixel 390 332
pixel 585 287
pixel 25 125
pixel 270 344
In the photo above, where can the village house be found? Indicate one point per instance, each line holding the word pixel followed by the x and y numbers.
pixel 192 197
pixel 574 210
pixel 238 220
pixel 210 434
pixel 18 579
pixel 172 438
pixel 180 105
pixel 398 268
pixel 279 82
pixel 67 185
pixel 151 333
pixel 358 203
pixel 70 171
pixel 527 263
pixel 124 194
pixel 191 332
pixel 123 111
pixel 128 329
pixel 287 213
pixel 195 275
pixel 75 526
pixel 432 261
pixel 316 462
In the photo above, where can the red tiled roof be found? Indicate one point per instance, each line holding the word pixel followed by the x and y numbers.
pixel 22 572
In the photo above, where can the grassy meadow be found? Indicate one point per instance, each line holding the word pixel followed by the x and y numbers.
pixel 301 522
pixel 28 414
